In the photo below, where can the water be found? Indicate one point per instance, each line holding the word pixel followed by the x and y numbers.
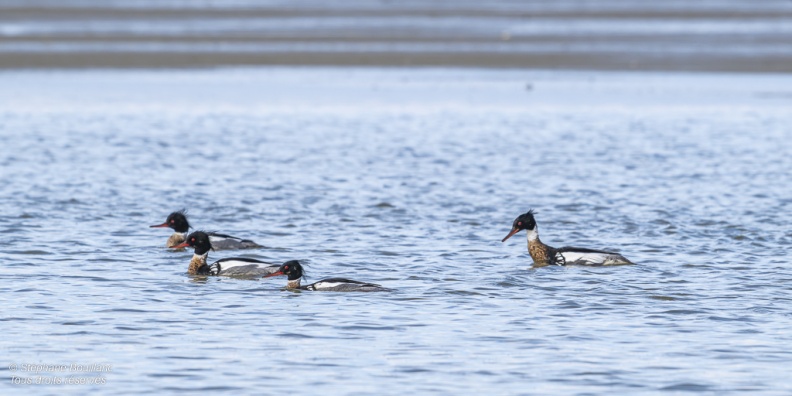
pixel 711 35
pixel 408 178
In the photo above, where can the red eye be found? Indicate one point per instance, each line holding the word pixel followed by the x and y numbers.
pixel 192 240
pixel 286 267
pixel 173 221
pixel 519 223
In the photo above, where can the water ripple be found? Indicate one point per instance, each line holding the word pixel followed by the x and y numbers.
pixel 414 198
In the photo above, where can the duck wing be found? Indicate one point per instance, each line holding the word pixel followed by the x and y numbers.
pixel 242 266
pixel 570 255
pixel 343 284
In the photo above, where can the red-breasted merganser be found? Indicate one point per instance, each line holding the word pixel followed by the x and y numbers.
pixel 543 255
pixel 178 222
pixel 233 266
pixel 294 271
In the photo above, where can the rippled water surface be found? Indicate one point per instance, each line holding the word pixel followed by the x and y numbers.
pixel 407 178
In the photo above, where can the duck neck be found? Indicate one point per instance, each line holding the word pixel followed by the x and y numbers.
pixel 539 251
pixel 293 284
pixel 198 261
pixel 176 239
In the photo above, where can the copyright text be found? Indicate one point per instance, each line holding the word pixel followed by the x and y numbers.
pixel 59 374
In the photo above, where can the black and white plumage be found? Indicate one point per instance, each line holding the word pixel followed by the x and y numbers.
pixel 233 266
pixel 228 242
pixel 239 266
pixel 178 222
pixel 294 271
pixel 543 255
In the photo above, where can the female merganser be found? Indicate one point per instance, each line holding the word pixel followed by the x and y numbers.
pixel 233 266
pixel 543 255
pixel 178 222
pixel 294 271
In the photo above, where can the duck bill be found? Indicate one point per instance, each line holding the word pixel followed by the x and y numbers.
pixel 165 224
pixel 513 231
pixel 180 246
pixel 274 274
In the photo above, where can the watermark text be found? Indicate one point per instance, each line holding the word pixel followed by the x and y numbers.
pixel 59 374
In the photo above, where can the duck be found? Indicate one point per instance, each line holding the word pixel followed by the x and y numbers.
pixel 178 222
pixel 200 241
pixel 294 271
pixel 544 255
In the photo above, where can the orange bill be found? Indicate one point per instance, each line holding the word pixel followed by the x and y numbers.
pixel 513 231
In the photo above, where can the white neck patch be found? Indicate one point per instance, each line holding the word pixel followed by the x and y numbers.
pixel 293 284
pixel 532 234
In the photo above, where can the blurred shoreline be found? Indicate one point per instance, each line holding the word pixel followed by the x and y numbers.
pixel 621 62
pixel 711 36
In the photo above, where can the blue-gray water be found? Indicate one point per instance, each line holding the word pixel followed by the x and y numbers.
pixel 407 178
pixel 707 35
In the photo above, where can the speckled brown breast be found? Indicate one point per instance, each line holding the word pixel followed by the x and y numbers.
pixel 175 239
pixel 539 253
pixel 293 284
pixel 195 264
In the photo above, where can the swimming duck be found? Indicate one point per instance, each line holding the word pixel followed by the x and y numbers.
pixel 178 222
pixel 232 266
pixel 294 271
pixel 544 255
